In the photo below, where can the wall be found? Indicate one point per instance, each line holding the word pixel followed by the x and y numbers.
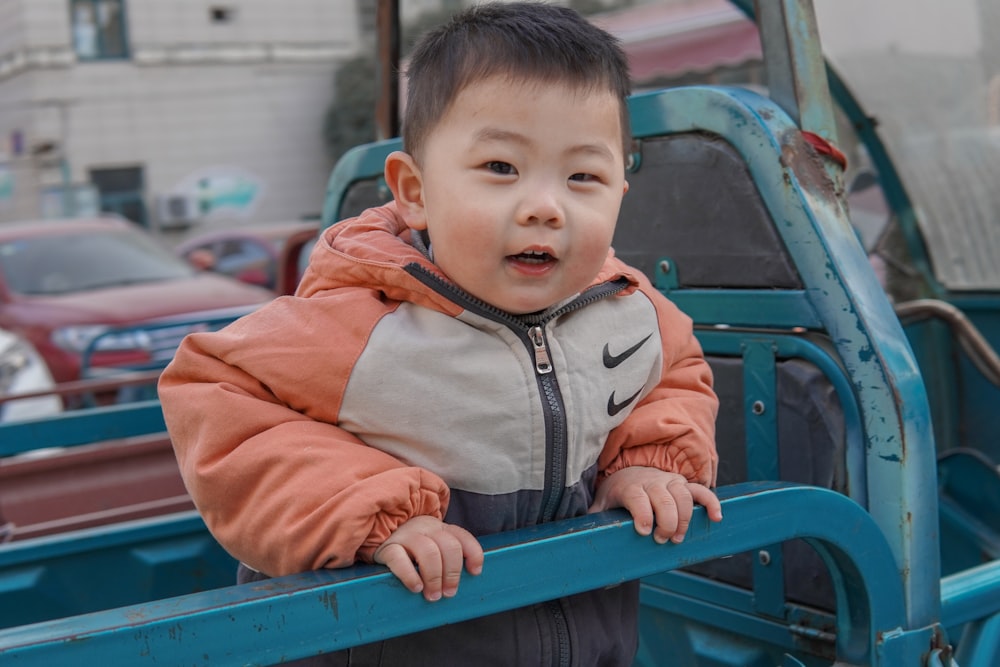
pixel 241 100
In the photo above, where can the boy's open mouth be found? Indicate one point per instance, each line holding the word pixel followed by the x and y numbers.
pixel 532 257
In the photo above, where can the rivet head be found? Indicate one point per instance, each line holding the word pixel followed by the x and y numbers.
pixel 758 407
pixel 764 557
pixel 664 266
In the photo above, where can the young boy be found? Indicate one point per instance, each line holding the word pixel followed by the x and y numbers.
pixel 468 359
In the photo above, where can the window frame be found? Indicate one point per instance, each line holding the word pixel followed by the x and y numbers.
pixel 101 36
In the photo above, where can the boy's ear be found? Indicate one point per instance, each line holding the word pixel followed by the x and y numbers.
pixel 403 177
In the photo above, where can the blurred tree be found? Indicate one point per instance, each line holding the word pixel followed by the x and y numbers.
pixel 350 119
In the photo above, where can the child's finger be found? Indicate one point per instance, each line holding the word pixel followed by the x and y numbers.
pixel 706 498
pixel 426 552
pixel 676 512
pixel 472 550
pixel 672 506
pixel 395 557
pixel 452 559
pixel 638 504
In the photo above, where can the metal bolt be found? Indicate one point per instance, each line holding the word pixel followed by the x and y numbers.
pixel 758 407
pixel 665 266
pixel 764 557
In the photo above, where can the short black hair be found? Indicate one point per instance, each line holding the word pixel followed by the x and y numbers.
pixel 522 40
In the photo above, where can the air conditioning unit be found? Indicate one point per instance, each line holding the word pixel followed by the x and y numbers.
pixel 177 209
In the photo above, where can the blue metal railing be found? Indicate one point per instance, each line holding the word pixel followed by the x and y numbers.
pixel 302 615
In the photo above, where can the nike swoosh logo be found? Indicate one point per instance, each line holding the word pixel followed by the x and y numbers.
pixel 612 360
pixel 615 408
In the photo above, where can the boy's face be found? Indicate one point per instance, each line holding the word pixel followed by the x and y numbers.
pixel 519 187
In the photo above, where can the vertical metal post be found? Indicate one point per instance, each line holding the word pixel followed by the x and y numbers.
pixel 793 59
pixel 387 69
pixel 900 466
pixel 760 410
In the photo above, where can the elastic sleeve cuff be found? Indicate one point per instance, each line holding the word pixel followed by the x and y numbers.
pixel 699 467
pixel 427 498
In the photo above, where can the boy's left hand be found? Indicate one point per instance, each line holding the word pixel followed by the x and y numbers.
pixel 650 493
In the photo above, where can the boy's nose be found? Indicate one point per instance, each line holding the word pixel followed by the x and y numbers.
pixel 541 205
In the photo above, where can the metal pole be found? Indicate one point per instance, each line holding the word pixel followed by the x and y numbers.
pixel 387 69
pixel 793 59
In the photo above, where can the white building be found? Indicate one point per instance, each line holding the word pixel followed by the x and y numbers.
pixel 170 111
pixel 178 112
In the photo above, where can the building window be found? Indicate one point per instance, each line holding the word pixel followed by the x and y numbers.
pixel 220 14
pixel 366 17
pixel 99 29
pixel 121 191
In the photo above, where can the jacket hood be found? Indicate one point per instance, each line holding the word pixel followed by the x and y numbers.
pixel 376 250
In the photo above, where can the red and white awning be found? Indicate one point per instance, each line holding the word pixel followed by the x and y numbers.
pixel 671 39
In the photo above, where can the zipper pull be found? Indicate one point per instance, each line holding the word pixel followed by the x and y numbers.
pixel 542 363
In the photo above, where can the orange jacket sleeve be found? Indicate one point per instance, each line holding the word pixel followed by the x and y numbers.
pixel 282 491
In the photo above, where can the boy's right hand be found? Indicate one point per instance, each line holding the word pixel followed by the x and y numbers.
pixel 427 555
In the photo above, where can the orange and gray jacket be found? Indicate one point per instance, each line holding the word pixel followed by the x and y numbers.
pixel 309 430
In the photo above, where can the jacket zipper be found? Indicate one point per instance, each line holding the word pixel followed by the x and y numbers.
pixel 556 440
pixel 532 332
pixel 543 365
pixel 563 657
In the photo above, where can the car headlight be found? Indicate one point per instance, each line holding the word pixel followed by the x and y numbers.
pixel 77 338
pixel 15 357
pixel 22 371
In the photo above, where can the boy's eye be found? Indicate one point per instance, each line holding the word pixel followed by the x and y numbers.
pixel 584 178
pixel 497 167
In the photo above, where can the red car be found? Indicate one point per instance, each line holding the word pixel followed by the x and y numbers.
pixel 64 283
pixel 272 255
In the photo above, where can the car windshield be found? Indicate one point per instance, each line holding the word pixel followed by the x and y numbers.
pixel 929 74
pixel 77 262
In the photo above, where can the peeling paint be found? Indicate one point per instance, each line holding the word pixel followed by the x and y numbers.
pixel 329 601
pixel 808 166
